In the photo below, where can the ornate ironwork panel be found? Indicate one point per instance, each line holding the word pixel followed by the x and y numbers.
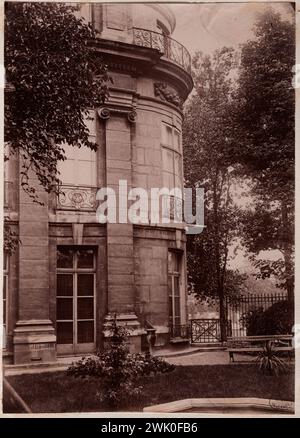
pixel 171 49
pixel 76 198
pixel 205 331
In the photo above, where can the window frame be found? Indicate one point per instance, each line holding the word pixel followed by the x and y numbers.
pixel 5 300
pixel 172 274
pixel 75 271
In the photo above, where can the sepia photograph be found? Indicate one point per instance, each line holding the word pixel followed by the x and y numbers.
pixel 148 208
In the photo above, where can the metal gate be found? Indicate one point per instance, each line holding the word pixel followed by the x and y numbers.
pixel 205 331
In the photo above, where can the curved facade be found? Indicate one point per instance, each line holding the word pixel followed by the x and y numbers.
pixel 72 275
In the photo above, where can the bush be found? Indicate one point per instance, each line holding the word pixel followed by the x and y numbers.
pixel 269 362
pixel 276 320
pixel 116 371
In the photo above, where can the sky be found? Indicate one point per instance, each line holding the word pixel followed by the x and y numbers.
pixel 209 26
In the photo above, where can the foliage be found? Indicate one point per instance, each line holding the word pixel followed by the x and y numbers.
pixel 53 77
pixel 207 128
pixel 116 370
pixel 277 319
pixel 264 139
pixel 269 362
pixel 10 239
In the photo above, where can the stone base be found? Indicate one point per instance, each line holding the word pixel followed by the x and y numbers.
pixel 34 341
pixel 132 325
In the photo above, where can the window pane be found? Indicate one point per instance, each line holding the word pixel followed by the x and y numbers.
pixel 85 258
pixel 64 332
pixel 176 286
pixel 173 261
pixel 167 158
pixel 64 308
pixel 85 284
pixel 177 307
pixel 85 331
pixel 166 135
pixel 87 172
pixel 4 312
pixel 65 284
pixel 168 180
pixel 85 308
pixel 177 140
pixel 5 260
pixel 4 286
pixel 170 308
pixel 177 164
pixel 64 258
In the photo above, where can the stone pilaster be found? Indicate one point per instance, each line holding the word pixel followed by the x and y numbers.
pixel 120 258
pixel 34 336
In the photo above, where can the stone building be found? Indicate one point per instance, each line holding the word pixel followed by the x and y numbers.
pixel 71 274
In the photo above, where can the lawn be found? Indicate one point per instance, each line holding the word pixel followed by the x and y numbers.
pixel 57 392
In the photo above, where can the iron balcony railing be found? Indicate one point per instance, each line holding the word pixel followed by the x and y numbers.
pixel 76 198
pixel 170 48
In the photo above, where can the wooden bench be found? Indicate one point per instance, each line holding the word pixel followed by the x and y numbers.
pixel 255 344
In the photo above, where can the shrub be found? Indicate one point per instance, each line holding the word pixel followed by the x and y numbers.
pixel 116 371
pixel 269 362
pixel 276 320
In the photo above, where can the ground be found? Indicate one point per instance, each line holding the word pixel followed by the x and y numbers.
pixel 57 392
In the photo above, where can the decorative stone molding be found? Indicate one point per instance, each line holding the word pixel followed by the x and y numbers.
pixel 167 94
pixel 131 116
pixel 76 198
pixel 104 113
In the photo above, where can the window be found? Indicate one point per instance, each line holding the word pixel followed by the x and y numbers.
pixel 5 296
pixel 75 307
pixel 174 293
pixel 171 167
pixel 162 29
pixel 171 157
pixel 80 167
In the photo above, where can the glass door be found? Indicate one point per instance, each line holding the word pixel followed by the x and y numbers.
pixel 75 300
pixel 174 293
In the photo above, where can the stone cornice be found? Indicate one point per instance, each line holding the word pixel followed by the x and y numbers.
pixel 138 60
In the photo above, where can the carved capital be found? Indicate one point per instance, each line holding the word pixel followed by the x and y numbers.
pixel 104 113
pixel 131 116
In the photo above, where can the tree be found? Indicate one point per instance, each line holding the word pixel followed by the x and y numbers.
pixel 207 129
pixel 264 142
pixel 53 77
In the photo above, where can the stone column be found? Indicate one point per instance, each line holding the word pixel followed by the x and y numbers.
pixel 34 335
pixel 120 259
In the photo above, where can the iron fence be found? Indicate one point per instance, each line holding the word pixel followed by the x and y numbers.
pixel 239 308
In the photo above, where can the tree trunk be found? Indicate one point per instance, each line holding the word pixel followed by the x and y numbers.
pixel 287 252
pixel 223 316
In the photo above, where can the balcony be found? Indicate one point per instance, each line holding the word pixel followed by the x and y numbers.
pixel 76 198
pixel 171 49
